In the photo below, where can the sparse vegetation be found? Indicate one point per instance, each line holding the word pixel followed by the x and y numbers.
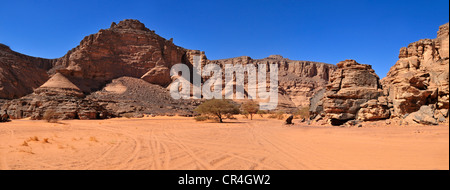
pixel 217 108
pixel 45 140
pixel 50 116
pixel 201 118
pixel 35 138
pixel 277 115
pixel 245 114
pixel 251 107
pixel 24 143
pixel 93 139
pixel 230 116
pixel 302 112
pixel 261 113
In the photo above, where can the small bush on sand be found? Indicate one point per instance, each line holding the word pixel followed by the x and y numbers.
pixel 201 118
pixel 245 114
pixel 35 138
pixel 301 113
pixel 230 116
pixel 251 107
pixel 45 140
pixel 261 113
pixel 50 116
pixel 277 115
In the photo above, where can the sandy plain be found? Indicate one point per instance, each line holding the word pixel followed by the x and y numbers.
pixel 180 143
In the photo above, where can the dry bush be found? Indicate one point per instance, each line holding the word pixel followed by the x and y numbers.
pixel 50 116
pixel 201 118
pixel 45 140
pixel 35 138
pixel 24 143
pixel 261 113
pixel 250 107
pixel 302 112
pixel 277 115
pixel 230 116
pixel 245 114
pixel 93 139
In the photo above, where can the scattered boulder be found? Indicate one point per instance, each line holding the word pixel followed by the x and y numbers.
pixel 424 116
pixel 4 117
pixel 289 120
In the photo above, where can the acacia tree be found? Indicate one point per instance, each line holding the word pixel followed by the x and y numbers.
pixel 251 108
pixel 217 108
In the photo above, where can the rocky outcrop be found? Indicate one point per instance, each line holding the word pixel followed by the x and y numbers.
pixel 58 84
pixel 21 74
pixel 298 80
pixel 125 49
pixel 127 95
pixel 353 86
pixel 36 106
pixel 420 76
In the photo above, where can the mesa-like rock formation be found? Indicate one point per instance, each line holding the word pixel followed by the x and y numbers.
pixel 298 80
pixel 21 74
pixel 353 86
pixel 420 77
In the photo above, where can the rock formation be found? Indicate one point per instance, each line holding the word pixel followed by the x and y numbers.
pixel 20 74
pixel 298 80
pixel 125 70
pixel 420 77
pixel 353 86
pixel 127 95
pixel 126 49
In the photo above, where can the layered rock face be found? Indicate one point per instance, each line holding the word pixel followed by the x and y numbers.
pixel 125 49
pixel 20 74
pixel 353 86
pixel 58 98
pixel 420 77
pixel 298 80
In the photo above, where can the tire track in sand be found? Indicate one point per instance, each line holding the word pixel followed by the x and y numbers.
pixel 200 163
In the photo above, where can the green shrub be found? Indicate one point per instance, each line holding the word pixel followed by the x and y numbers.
pixel 217 108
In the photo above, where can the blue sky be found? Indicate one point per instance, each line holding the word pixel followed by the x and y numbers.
pixel 371 32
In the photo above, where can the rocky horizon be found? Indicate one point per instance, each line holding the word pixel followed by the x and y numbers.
pixel 94 71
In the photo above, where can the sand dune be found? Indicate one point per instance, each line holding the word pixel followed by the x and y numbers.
pixel 181 143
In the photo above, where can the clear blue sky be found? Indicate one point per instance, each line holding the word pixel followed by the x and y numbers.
pixel 371 32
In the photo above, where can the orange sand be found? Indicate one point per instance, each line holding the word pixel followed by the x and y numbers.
pixel 182 143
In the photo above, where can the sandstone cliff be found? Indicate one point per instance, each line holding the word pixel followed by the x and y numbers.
pixel 353 88
pixel 420 77
pixel 20 74
pixel 298 81
pixel 125 49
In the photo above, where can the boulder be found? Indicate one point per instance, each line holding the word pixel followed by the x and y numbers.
pixel 289 120
pixel 425 115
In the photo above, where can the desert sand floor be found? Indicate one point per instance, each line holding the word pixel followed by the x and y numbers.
pixel 154 143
